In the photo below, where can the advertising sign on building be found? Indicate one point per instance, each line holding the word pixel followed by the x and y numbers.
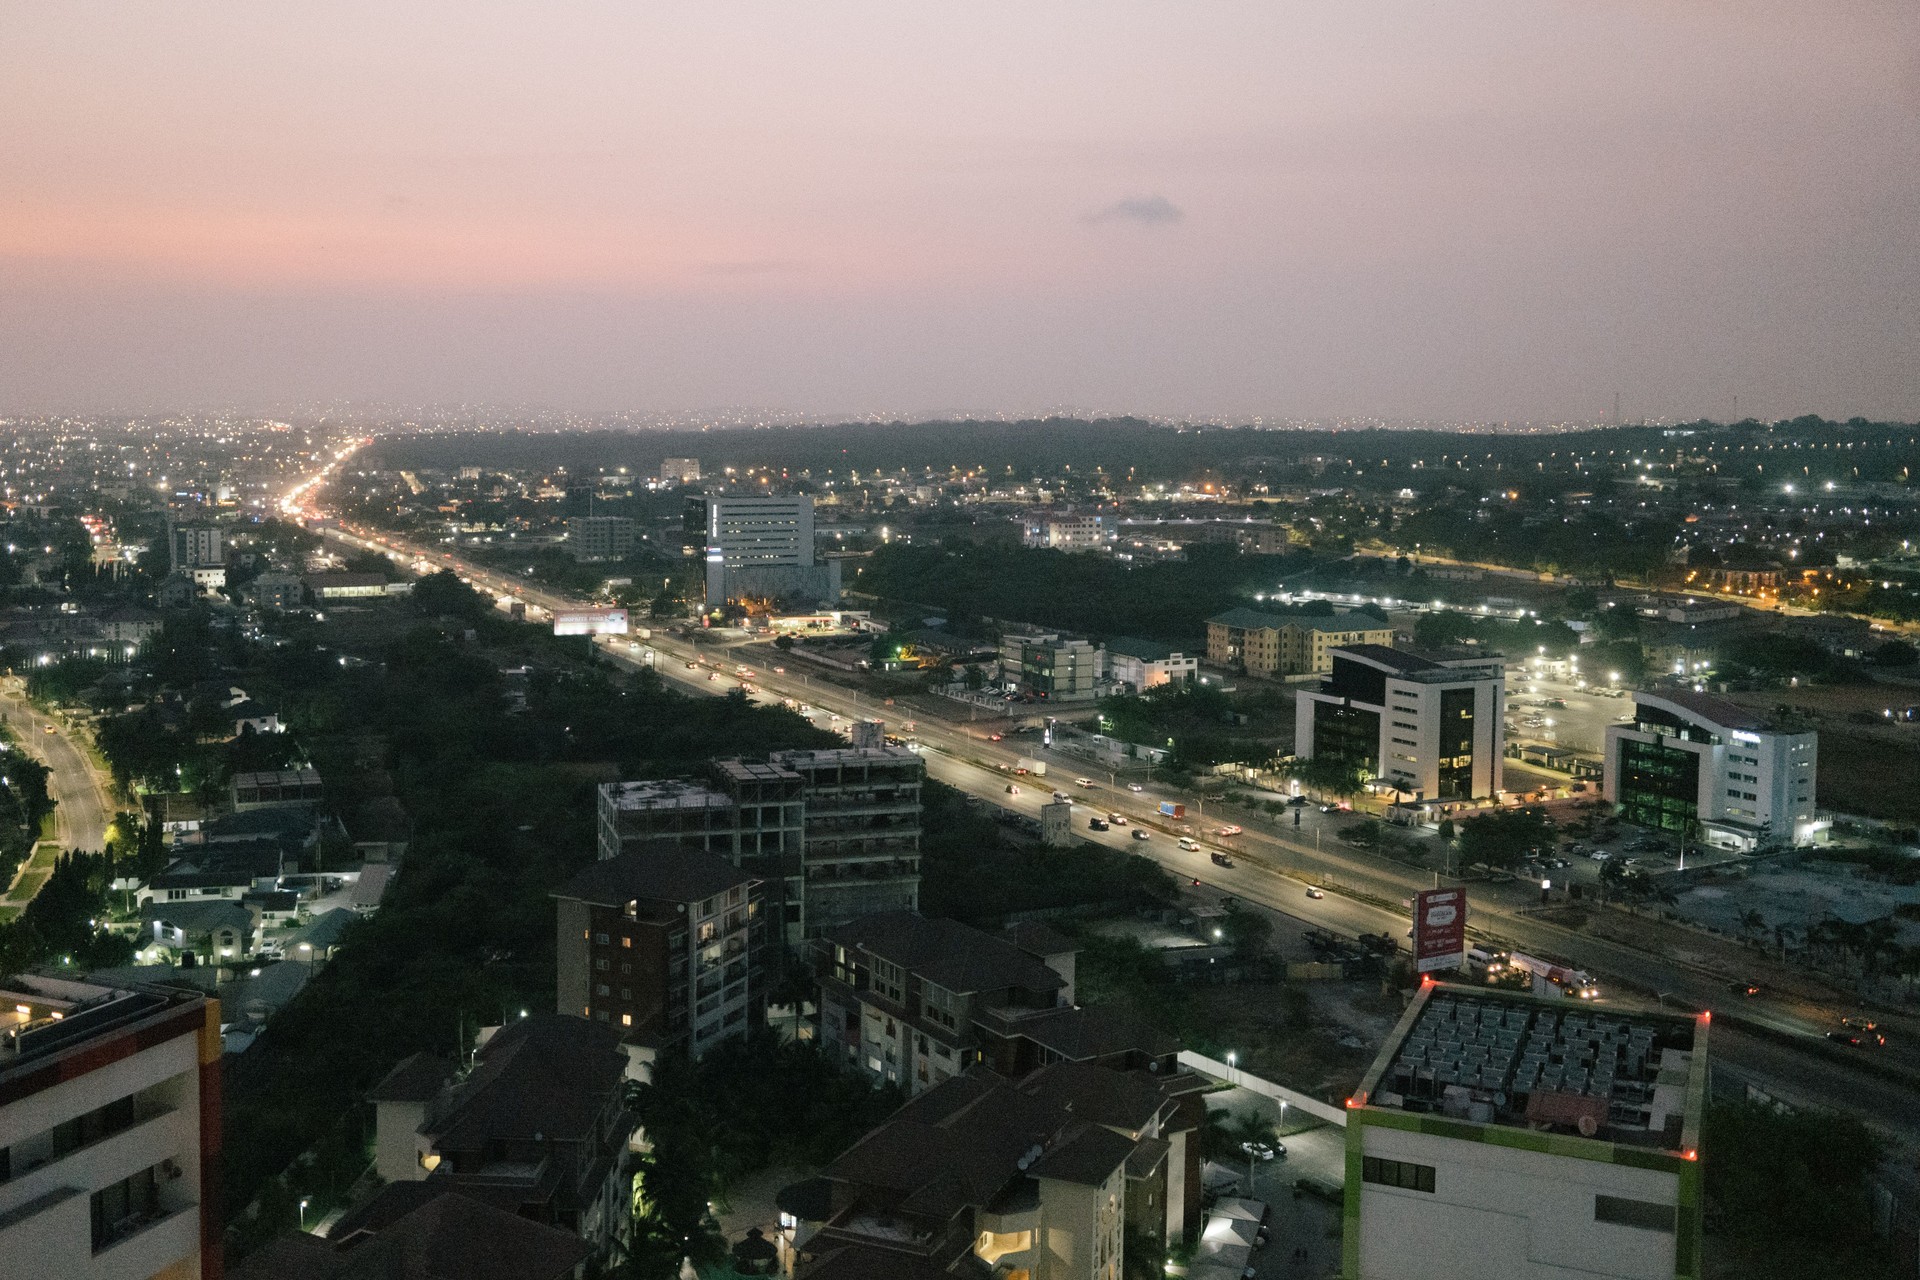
pixel 1439 929
pixel 590 622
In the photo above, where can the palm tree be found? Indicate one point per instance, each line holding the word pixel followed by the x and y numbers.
pixel 1751 922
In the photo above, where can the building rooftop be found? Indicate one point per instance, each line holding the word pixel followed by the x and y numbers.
pixel 1705 706
pixel 547 1076
pixel 754 771
pixel 1494 1057
pixel 450 1236
pixel 827 757
pixel 1135 647
pixel 1424 668
pixel 1245 619
pixel 48 1017
pixel 948 954
pixel 665 793
pixel 660 872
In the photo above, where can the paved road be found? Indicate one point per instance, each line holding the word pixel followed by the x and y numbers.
pixel 1364 894
pixel 84 809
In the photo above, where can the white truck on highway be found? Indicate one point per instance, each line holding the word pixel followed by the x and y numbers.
pixel 1549 976
pixel 1038 768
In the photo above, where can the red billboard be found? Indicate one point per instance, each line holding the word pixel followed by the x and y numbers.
pixel 1439 929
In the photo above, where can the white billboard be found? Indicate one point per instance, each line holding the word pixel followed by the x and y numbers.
pixel 590 622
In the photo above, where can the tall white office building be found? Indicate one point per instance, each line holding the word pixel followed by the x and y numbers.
pixel 762 546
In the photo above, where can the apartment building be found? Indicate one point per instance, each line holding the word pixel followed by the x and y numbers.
pixel 1141 665
pixel 196 546
pixel 1051 666
pixel 861 851
pixel 537 1125
pixel 1429 727
pixel 914 1002
pixel 1039 1178
pixel 109 1132
pixel 591 538
pixel 680 470
pixel 1064 532
pixel 1708 770
pixel 1501 1134
pixel 833 834
pixel 1271 644
pixel 667 945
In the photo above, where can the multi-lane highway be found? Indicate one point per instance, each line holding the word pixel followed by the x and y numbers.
pixel 1271 866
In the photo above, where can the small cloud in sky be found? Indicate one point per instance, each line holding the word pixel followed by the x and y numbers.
pixel 1146 211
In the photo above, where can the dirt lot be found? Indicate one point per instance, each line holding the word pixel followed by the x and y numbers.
pixel 1314 1037
pixel 1864 769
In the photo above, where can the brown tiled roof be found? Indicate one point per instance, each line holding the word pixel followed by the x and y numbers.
pixel 547 1075
pixel 1089 1157
pixel 450 1237
pixel 419 1078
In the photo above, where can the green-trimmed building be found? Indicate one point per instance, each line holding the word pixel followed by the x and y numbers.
pixel 1500 1134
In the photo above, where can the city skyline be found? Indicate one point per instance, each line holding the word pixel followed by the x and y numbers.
pixel 1260 212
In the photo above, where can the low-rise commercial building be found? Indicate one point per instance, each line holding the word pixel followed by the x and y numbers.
pixel 1500 1134
pixel 1051 666
pixel 1709 770
pixel 1429 727
pixel 109 1132
pixel 666 945
pixel 1141 665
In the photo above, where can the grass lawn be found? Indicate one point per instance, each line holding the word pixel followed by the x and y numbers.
pixel 8 913
pixel 30 882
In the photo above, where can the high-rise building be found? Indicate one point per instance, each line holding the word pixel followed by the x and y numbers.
pixel 752 814
pixel 666 945
pixel 1501 1134
pixel 1430 727
pixel 195 546
pixel 762 546
pixel 600 537
pixel 1711 771
pixel 861 854
pixel 109 1132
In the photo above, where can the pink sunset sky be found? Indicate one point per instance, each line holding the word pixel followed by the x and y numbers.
pixel 1472 209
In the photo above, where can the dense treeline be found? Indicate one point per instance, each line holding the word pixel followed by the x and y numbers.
pixel 1120 446
pixel 1089 594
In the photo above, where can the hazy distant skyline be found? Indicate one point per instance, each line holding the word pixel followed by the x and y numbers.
pixel 1469 211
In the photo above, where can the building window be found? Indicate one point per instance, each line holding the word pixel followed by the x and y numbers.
pixel 626 1019
pixel 627 941
pixel 1643 1214
pixel 1397 1173
pixel 120 1209
pixel 600 938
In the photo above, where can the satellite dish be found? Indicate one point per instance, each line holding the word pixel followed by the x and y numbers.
pixel 1588 1126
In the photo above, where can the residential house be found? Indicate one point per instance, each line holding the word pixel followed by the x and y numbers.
pixel 539 1125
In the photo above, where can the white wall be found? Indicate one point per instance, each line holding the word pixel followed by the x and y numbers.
pixel 1518 1215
